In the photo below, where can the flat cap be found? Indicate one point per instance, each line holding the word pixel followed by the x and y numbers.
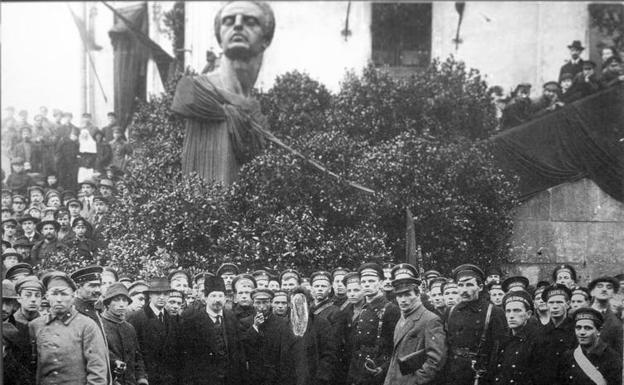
pixel 28 282
pixel 19 269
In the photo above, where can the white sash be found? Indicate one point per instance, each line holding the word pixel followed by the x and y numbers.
pixel 588 368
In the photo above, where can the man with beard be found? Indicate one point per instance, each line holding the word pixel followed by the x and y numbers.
pixel 243 286
pixel 474 328
pixel 550 99
pixel 340 291
pixel 123 346
pixel 28 224
pixel 558 334
pixel 418 350
pixel 279 304
pixel 592 361
pixel 212 351
pixel 575 64
pixel 372 330
pixel 65 230
pixel 519 109
pixel 218 137
pixel 517 358
pixel 49 245
pixel 158 335
pixel 602 290
pixel 227 272
pixel 268 344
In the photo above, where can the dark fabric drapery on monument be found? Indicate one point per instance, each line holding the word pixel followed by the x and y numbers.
pixel 130 61
pixel 579 140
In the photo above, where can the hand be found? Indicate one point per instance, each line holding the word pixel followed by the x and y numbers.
pixel 258 319
pixel 370 366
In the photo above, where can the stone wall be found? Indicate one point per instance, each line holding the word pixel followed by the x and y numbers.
pixel 574 223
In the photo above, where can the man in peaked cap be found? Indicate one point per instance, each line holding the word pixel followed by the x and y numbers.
pixel 9 228
pixel 179 279
pixel 261 278
pixel 495 293
pixel 121 337
pixel 268 342
pixel 279 303
pixel 29 294
pixel 602 290
pixel 80 239
pixel 558 334
pixel 323 306
pixel 580 298
pixel 575 64
pixel 450 293
pixel 370 341
pixel 290 279
pixel 88 290
pixel 210 338
pixel 435 295
pixel 227 271
pixel 466 323
pixel 419 348
pixel 157 333
pixel 339 290
pixel 17 271
pixel 566 275
pixel 243 285
pixel 516 358
pixel 592 361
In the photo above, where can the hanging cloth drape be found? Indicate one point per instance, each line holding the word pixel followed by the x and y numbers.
pixel 582 140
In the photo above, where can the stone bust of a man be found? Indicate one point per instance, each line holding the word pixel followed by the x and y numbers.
pixel 222 119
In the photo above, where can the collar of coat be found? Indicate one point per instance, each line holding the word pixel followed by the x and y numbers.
pixel 597 350
pixel 474 306
pixel 66 318
pixel 377 301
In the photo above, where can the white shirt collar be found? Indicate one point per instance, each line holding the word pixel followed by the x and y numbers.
pixel 156 311
pixel 213 315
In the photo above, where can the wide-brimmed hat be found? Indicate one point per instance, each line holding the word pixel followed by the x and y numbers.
pixel 114 290
pixel 576 44
pixel 57 226
pixel 27 218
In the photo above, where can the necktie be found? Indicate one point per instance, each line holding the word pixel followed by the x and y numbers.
pixel 218 323
pixel 88 204
pixel 160 317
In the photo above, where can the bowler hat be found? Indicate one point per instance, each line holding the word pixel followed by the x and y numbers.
pixel 56 225
pixel 114 290
pixel 576 44
pixel 158 285
pixel 227 267
pixel 27 218
pixel 593 283
pixel 213 283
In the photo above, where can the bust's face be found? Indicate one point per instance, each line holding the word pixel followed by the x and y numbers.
pixel 242 35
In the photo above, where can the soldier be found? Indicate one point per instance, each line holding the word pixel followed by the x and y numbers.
pixel 227 272
pixel 340 291
pixel 348 315
pixel 279 303
pixel 70 348
pixel 17 271
pixel 261 279
pixel 517 356
pixel 450 293
pixel 10 302
pixel 212 351
pixel 174 304
pixel 243 285
pixel 474 328
pixel 290 279
pixel 323 305
pixel 558 335
pixel 81 240
pixel 580 298
pixel 372 330
pixel 592 361
pixel 268 343
pixel 602 290
pixel 419 349
pixel 11 257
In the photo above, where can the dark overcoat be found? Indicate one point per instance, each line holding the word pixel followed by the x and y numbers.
pixel 317 352
pixel 607 361
pixel 200 353
pixel 124 346
pixel 555 341
pixel 518 357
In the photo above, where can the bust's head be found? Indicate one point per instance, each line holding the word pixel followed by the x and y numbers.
pixel 244 28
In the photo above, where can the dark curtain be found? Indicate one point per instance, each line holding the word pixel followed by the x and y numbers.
pixel 583 139
pixel 130 60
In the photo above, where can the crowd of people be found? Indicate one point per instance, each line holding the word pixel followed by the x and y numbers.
pixel 380 324
pixel 577 79
pixel 58 152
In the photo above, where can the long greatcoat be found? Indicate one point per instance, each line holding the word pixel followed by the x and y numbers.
pixel 423 331
pixel 316 353
pixel 159 345
pixel 124 346
pixel 200 353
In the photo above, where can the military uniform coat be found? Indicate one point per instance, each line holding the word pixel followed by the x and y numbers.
pixel 269 351
pixel 464 327
pixel 607 361
pixel 556 340
pixel 201 357
pixel 70 350
pixel 159 344
pixel 421 330
pixel 368 341
pixel 517 358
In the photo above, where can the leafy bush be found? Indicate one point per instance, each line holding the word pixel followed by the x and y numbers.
pixel 414 141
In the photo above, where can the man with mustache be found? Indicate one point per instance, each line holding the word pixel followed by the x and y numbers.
pixel 222 119
pixel 575 64
pixel 49 244
pixel 212 351
pixel 474 329
pixel 602 290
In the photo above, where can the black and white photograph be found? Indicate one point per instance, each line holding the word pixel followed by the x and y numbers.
pixel 312 192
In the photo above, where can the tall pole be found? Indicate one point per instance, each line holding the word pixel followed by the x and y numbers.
pixel 83 66
pixel 90 27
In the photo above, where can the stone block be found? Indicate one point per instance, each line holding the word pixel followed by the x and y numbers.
pixel 572 202
pixel 606 209
pixel 570 241
pixel 531 237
